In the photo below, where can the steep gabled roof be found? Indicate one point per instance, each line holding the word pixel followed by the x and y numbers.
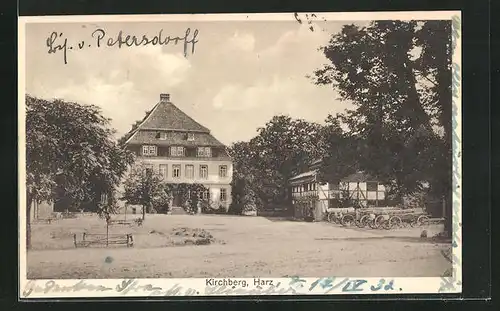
pixel 167 116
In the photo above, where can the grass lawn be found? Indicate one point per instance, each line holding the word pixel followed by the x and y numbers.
pixel 241 247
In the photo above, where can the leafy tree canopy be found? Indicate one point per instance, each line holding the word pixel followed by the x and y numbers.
pixel 262 167
pixel 145 187
pixel 74 142
pixel 70 147
pixel 398 76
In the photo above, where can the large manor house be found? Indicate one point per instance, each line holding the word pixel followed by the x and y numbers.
pixel 182 150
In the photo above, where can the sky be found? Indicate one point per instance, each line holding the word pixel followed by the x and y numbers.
pixel 241 74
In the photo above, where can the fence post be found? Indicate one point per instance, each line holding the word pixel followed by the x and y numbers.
pixel 443 212
pixel 107 233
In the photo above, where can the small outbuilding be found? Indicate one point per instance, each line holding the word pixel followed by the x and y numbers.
pixel 313 197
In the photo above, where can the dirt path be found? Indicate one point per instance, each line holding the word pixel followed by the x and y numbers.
pixel 253 247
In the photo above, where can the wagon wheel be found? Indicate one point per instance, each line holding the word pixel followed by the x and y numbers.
pixel 394 221
pixel 422 220
pixel 363 221
pixel 414 222
pixel 404 222
pixel 347 220
pixel 372 223
pixel 331 217
pixel 378 222
pixel 386 225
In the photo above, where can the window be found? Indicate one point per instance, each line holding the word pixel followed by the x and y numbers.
pixel 149 150
pixel 205 195
pixel 203 171
pixel 163 171
pixel 177 151
pixel 176 171
pixel 372 186
pixel 204 152
pixel 190 136
pixel 161 135
pixel 189 171
pixel 223 194
pixel 223 171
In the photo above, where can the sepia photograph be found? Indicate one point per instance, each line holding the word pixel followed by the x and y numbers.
pixel 240 150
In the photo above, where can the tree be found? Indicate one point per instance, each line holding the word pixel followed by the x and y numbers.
pixel 286 147
pixel 342 151
pixel 70 147
pixel 246 183
pixel 145 187
pixel 398 75
pixel 263 166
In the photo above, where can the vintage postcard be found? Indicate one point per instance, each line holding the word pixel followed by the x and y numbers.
pixel 240 154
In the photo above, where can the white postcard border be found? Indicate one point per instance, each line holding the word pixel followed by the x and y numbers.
pixel 320 285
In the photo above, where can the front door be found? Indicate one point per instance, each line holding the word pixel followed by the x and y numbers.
pixel 177 200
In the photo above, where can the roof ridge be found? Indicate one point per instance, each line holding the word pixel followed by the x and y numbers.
pixel 191 118
pixel 133 131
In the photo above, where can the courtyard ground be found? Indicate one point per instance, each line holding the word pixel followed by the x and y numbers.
pixel 241 247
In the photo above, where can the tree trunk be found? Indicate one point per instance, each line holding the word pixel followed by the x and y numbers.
pixel 143 211
pixel 29 199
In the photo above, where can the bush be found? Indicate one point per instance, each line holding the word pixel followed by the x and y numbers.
pixel 161 203
pixel 244 199
pixel 213 208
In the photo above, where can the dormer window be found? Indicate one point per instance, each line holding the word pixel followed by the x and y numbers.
pixel 176 151
pixel 204 152
pixel 149 150
pixel 161 135
pixel 190 136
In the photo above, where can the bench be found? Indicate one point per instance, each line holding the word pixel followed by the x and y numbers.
pixel 102 239
pixel 119 222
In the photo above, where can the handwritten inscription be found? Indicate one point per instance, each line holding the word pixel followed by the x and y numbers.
pixel 53 287
pixel 131 285
pixel 449 283
pixel 57 42
pixel 296 285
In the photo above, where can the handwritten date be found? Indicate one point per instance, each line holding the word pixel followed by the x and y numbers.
pixel 348 285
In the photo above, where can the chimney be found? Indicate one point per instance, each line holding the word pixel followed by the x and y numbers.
pixel 165 97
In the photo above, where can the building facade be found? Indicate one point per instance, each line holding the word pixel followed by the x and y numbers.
pixel 319 196
pixel 181 150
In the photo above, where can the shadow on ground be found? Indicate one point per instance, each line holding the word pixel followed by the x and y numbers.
pixel 393 238
pixel 283 219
